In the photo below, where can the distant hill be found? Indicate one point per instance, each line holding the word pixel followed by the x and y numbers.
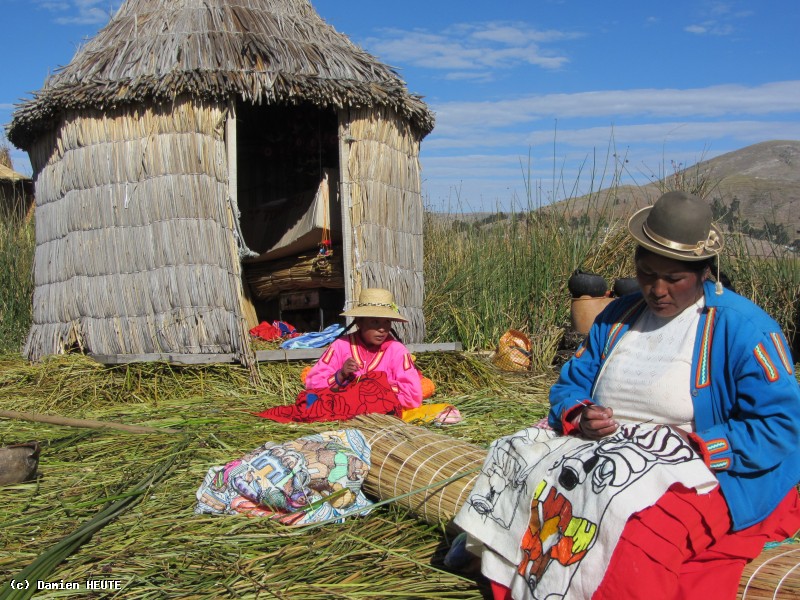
pixel 756 190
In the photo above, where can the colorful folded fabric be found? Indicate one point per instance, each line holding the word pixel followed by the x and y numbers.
pixel 314 478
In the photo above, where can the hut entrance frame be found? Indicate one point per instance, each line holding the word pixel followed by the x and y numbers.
pixel 285 178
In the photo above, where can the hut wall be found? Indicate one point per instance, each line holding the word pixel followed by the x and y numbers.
pixel 381 191
pixel 136 250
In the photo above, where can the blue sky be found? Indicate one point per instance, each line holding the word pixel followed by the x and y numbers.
pixel 533 99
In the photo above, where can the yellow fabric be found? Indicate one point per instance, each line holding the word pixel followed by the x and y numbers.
pixel 426 413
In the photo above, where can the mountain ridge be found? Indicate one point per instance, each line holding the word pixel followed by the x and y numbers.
pixel 755 189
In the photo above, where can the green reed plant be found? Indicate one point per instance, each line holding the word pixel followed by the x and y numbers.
pixel 17 242
pixel 484 278
pixel 486 275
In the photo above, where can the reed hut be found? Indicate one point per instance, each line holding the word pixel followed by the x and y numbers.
pixel 16 193
pixel 203 165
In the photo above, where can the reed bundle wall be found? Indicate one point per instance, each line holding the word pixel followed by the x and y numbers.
pixel 136 249
pixel 386 213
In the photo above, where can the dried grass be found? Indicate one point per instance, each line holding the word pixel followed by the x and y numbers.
pixel 157 546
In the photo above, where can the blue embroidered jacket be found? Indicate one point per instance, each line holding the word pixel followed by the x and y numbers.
pixel 745 393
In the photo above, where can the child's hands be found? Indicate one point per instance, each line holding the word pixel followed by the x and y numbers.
pixel 348 369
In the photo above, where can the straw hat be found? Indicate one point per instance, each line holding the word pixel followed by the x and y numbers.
pixel 375 302
pixel 677 226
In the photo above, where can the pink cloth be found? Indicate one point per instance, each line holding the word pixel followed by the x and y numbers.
pixel 392 358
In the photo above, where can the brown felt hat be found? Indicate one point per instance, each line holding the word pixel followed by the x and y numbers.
pixel 677 226
pixel 375 302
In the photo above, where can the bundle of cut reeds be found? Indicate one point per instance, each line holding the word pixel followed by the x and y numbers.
pixel 438 468
pixel 775 574
pixel 308 270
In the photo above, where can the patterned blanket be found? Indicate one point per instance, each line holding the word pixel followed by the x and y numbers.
pixel 308 480
pixel 547 510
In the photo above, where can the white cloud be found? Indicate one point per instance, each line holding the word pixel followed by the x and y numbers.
pixel 718 18
pixel 472 48
pixel 80 12
pixel 711 28
pixel 714 101
pixel 698 29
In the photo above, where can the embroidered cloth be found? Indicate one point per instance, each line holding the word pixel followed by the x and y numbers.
pixel 547 510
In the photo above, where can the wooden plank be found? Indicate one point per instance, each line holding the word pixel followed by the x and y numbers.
pixel 175 359
pixel 315 353
pixel 296 354
pixel 439 347
pixel 346 203
pixel 261 355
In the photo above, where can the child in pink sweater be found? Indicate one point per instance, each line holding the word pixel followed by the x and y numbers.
pixel 368 370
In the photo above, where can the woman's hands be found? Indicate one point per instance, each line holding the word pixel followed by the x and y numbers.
pixel 596 422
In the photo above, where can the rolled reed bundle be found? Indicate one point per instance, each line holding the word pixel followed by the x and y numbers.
pixel 406 458
pixel 775 574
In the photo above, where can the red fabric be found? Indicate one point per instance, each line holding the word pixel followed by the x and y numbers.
pixel 683 547
pixel 370 393
pixel 266 331
pixel 500 592
pixel 274 331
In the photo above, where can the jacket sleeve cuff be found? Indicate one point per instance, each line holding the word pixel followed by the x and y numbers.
pixel 571 419
pixel 716 453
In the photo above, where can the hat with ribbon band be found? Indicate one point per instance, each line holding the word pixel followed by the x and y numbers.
pixel 677 226
pixel 375 302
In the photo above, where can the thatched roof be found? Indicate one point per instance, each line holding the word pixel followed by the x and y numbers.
pixel 7 174
pixel 264 51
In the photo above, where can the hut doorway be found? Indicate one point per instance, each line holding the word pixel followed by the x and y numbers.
pixel 287 175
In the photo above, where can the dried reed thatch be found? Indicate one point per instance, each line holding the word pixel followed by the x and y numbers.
pixel 774 575
pixel 386 214
pixel 16 190
pixel 112 505
pixel 263 51
pixel 138 239
pixel 136 249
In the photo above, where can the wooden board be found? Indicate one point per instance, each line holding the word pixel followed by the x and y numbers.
pixel 261 355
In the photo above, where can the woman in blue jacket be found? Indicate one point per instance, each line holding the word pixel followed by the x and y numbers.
pixel 708 363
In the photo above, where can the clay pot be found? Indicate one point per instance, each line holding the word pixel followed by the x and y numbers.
pixel 582 283
pixel 19 462
pixel 585 309
pixel 624 286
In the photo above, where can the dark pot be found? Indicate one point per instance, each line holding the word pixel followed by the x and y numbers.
pixel 625 285
pixel 582 283
pixel 18 462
